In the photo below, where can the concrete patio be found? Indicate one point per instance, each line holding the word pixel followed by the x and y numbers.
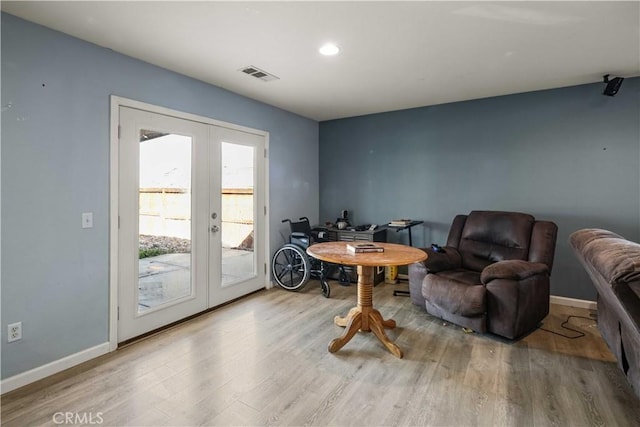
pixel 164 278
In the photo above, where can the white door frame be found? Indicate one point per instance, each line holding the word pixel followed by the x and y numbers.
pixel 116 103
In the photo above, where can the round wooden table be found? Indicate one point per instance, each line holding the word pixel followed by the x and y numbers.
pixel 364 317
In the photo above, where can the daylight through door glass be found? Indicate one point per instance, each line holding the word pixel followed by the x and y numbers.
pixel 237 168
pixel 164 219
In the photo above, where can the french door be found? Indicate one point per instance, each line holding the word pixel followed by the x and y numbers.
pixel 191 218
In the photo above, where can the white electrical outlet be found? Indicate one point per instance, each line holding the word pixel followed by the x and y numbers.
pixel 14 332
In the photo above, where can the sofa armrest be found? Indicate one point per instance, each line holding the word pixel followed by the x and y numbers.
pixel 512 270
pixel 614 257
pixel 442 261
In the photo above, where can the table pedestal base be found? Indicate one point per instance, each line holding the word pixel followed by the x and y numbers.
pixel 364 317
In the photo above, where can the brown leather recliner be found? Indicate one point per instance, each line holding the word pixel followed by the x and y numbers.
pixel 493 275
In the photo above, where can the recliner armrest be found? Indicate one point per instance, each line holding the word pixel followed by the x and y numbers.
pixel 442 261
pixel 512 270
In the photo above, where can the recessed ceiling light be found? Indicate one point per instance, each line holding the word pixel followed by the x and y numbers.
pixel 329 49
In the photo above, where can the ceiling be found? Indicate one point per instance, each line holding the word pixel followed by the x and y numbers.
pixel 394 55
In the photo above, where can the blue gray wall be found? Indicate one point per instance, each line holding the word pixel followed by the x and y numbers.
pixel 569 155
pixel 55 165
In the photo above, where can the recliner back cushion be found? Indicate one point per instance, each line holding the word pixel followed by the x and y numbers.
pixel 491 236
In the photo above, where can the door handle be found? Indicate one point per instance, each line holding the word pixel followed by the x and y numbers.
pixel 215 228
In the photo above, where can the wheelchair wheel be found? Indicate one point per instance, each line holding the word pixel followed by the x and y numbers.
pixel 326 290
pixel 291 267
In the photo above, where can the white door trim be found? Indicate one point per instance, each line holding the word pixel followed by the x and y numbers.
pixel 116 103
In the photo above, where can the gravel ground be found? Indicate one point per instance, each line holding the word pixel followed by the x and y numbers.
pixel 168 244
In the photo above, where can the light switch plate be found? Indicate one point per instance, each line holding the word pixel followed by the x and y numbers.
pixel 87 220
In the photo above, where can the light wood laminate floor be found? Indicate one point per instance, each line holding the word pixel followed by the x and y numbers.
pixel 263 360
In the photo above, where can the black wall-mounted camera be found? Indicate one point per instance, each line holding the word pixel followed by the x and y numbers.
pixel 613 85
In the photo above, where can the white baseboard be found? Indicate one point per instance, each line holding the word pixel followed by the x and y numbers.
pixel 54 367
pixel 572 302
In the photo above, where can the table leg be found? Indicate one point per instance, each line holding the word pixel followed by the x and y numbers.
pixel 389 323
pixel 378 330
pixel 364 317
pixel 342 321
pixel 353 324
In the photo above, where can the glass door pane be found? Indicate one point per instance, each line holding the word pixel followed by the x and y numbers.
pixel 164 219
pixel 163 232
pixel 238 212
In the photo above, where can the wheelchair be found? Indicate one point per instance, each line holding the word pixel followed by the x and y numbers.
pixel 292 267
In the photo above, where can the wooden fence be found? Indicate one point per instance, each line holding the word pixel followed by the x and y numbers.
pixel 167 212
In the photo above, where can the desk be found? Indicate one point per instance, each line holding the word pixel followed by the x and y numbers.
pixel 377 235
pixel 400 228
pixel 364 317
pixel 406 227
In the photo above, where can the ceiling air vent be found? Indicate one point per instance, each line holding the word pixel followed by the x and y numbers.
pixel 258 73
